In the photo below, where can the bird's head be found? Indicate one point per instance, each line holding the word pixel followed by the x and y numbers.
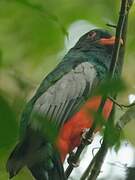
pixel 96 38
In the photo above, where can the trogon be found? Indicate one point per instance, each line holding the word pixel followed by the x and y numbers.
pixel 63 99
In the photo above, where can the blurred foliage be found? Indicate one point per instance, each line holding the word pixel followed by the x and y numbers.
pixel 32 34
pixel 46 127
pixel 107 87
pixel 8 126
pixel 113 136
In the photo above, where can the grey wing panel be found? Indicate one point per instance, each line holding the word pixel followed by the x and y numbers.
pixel 62 99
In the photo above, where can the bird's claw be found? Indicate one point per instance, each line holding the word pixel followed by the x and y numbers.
pixel 86 139
pixel 71 160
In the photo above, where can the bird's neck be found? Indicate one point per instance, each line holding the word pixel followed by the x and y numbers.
pixel 99 58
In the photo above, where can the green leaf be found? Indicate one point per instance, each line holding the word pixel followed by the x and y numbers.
pixel 113 135
pixel 113 86
pixel 99 119
pixel 46 127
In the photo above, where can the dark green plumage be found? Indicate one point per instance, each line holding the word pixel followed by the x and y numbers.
pixel 59 96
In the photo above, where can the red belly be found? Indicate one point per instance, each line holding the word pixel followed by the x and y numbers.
pixel 70 134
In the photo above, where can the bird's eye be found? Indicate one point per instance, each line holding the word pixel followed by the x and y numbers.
pixel 92 34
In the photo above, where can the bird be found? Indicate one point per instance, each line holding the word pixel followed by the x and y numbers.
pixel 62 98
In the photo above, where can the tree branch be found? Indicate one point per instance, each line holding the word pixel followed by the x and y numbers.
pixel 121 105
pixel 94 167
pixel 120 32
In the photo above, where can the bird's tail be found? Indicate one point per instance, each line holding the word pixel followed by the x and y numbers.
pixel 40 172
pixel 39 155
pixel 15 161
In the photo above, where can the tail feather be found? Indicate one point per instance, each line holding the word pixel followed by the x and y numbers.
pixel 39 155
pixel 40 169
pixel 15 161
pixel 40 172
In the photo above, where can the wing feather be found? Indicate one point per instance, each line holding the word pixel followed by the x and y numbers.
pixel 64 98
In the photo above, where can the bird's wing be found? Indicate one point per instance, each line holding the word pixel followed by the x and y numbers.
pixel 64 98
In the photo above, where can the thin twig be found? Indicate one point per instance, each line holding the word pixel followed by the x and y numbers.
pixel 100 156
pixel 121 105
pixel 119 30
pixel 128 106
pixel 111 25
pixel 94 169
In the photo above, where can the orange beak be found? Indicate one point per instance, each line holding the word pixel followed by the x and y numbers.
pixel 109 41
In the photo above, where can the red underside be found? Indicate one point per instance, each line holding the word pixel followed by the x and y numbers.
pixel 70 134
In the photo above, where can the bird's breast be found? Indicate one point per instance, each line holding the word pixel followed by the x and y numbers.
pixel 70 134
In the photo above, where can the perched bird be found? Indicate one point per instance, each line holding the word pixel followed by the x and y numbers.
pixel 59 99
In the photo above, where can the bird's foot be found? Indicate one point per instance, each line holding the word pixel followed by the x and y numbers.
pixel 87 140
pixel 72 160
